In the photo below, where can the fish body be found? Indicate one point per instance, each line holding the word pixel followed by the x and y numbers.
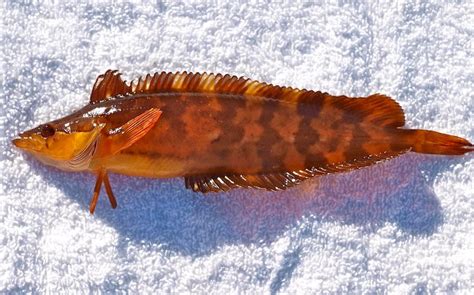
pixel 222 132
pixel 234 134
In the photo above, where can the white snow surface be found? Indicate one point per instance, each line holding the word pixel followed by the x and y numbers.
pixel 403 226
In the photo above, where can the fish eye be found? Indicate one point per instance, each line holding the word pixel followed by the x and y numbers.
pixel 47 130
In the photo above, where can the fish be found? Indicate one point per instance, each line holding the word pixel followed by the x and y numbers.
pixel 221 132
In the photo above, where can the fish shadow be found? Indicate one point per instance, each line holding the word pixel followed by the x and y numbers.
pixel 164 213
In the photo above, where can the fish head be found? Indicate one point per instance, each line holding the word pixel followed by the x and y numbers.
pixel 58 141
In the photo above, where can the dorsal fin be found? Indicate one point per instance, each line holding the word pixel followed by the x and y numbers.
pixel 378 106
pixel 377 109
pixel 217 83
pixel 108 85
pixel 277 181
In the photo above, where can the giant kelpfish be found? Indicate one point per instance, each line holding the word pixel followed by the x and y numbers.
pixel 221 132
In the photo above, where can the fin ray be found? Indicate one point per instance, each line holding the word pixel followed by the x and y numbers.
pixel 377 109
pixel 129 133
pixel 107 86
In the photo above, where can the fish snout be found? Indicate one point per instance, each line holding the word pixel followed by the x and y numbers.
pixel 27 142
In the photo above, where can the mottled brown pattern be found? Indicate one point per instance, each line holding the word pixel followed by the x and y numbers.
pixel 222 123
pixel 270 144
pixel 222 132
pixel 266 136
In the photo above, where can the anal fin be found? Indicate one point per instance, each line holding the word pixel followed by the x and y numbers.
pixel 269 181
pixel 278 180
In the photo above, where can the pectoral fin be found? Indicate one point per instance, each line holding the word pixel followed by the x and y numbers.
pixel 120 139
pixel 129 133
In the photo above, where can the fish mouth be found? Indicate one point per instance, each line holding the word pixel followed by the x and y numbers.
pixel 28 142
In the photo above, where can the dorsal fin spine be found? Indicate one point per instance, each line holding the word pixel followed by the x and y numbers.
pixel 107 86
pixel 193 84
pixel 148 81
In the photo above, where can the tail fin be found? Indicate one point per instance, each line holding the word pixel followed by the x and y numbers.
pixel 432 142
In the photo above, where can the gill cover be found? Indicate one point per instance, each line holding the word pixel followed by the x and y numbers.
pixel 67 146
pixel 61 149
